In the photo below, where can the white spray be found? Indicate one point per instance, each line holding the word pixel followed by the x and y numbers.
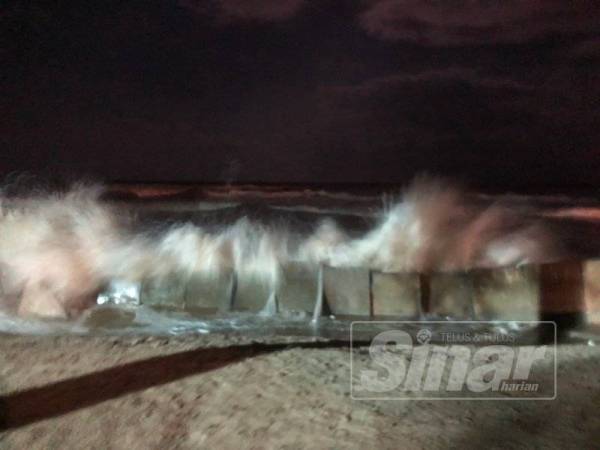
pixel 57 252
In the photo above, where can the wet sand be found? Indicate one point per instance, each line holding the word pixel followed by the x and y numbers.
pixel 217 391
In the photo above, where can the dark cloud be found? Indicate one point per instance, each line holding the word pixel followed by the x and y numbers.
pixel 436 103
pixel 299 92
pixel 247 10
pixel 267 10
pixel 587 50
pixel 456 120
pixel 452 75
pixel 463 22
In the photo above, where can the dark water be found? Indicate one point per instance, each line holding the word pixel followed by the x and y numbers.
pixel 573 219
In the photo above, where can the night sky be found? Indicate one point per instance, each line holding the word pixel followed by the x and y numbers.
pixel 494 93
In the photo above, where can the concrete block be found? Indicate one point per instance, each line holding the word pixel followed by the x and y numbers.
pixel 109 318
pixel 208 294
pixel 562 287
pixel 592 290
pixel 168 292
pixel 510 293
pixel 251 295
pixel 451 295
pixel 395 294
pixel 562 294
pixel 298 291
pixel 347 291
